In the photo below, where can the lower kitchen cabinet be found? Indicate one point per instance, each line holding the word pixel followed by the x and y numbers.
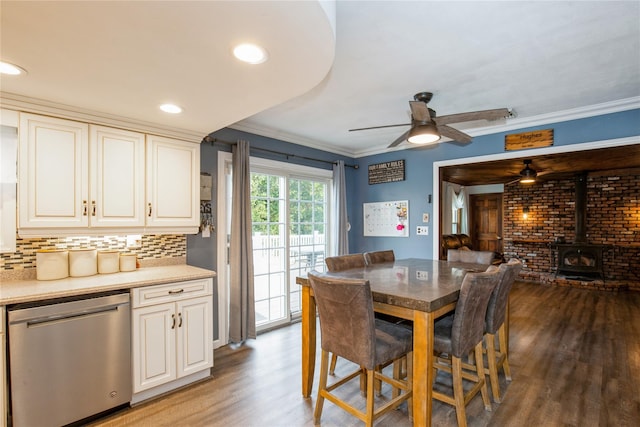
pixel 172 335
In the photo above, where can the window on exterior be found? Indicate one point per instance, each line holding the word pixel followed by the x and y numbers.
pixel 290 223
pixel 456 219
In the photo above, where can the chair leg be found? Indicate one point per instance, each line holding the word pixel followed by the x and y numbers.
pixel 458 391
pixel 324 368
pixel 370 399
pixel 480 372
pixel 504 349
pixel 493 368
pixel 332 367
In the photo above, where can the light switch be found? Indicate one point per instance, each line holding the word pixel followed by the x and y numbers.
pixel 422 230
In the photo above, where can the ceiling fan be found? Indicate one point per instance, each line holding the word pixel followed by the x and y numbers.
pixel 528 175
pixel 428 128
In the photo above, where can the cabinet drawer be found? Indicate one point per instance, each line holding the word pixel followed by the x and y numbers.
pixel 159 294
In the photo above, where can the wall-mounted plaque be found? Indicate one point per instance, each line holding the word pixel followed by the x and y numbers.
pixel 534 139
pixel 386 172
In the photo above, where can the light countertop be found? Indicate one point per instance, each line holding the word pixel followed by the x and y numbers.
pixel 18 291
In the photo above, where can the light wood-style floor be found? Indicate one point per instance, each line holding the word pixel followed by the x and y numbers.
pixel 575 361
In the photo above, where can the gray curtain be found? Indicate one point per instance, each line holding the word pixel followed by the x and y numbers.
pixel 242 323
pixel 339 208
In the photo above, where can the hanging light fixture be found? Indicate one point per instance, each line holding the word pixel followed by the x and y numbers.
pixel 527 175
pixel 423 133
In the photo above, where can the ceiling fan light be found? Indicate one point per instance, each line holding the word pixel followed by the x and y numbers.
pixel 421 134
pixel 528 176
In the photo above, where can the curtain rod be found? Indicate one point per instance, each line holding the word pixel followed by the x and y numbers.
pixel 212 140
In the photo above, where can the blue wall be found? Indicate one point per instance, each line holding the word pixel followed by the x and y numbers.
pixel 417 185
pixel 419 176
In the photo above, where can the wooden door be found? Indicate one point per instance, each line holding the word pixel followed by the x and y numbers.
pixel 486 221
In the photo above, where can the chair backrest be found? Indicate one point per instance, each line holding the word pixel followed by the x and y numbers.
pixel 471 309
pixel 379 257
pixel 476 257
pixel 347 325
pixel 344 262
pixel 497 308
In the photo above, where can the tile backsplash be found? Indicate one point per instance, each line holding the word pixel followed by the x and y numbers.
pixel 150 247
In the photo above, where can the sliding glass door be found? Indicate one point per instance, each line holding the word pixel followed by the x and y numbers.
pixel 290 223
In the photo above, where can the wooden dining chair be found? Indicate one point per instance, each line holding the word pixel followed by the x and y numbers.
pixel 495 323
pixel 349 329
pixel 475 257
pixel 341 263
pixel 457 334
pixel 378 257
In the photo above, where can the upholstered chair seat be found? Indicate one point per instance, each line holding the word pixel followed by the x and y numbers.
pixel 341 263
pixel 458 334
pixel 476 257
pixel 495 323
pixel 379 257
pixel 349 329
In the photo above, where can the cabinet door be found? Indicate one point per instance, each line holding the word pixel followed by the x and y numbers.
pixel 195 338
pixel 154 346
pixel 53 185
pixel 173 183
pixel 116 178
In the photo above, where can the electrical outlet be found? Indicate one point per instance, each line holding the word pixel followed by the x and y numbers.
pixel 422 230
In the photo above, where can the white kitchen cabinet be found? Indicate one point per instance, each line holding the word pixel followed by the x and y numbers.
pixel 3 375
pixel 173 183
pixel 172 335
pixel 76 178
pixel 53 172
pixel 117 177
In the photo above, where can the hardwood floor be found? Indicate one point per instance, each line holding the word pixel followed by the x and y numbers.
pixel 575 361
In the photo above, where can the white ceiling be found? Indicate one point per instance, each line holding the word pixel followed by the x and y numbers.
pixel 545 60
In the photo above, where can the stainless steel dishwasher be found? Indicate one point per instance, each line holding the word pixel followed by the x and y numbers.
pixel 69 359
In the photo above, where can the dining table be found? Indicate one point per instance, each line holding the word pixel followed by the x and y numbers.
pixel 419 290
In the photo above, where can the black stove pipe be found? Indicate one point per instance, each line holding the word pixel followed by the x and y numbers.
pixel 581 208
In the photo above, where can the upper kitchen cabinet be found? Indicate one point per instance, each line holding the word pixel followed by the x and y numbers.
pixel 173 183
pixel 116 178
pixel 53 173
pixel 78 178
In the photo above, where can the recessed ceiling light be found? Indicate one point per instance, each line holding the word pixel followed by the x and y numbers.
pixel 171 108
pixel 11 69
pixel 250 53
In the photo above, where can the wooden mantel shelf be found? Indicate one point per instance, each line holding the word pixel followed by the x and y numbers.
pixel 527 241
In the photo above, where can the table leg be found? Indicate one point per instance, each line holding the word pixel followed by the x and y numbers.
pixel 422 367
pixel 308 340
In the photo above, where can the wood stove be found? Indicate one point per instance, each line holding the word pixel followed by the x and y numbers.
pixel 580 258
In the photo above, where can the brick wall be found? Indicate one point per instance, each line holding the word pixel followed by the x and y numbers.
pixel 613 218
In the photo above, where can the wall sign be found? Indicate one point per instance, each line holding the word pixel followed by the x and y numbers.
pixel 386 172
pixel 535 139
pixel 389 219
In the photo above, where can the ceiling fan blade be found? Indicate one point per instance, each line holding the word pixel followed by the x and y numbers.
pixel 419 111
pixel 380 127
pixel 400 139
pixel 454 134
pixel 498 113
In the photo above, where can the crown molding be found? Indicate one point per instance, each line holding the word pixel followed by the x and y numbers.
pixel 17 102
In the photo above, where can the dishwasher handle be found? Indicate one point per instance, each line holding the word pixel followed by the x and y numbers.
pixel 35 321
